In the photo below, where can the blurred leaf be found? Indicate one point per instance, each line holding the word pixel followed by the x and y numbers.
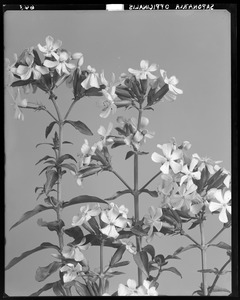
pixel 117 256
pixel 15 260
pixel 149 249
pixel 137 230
pixel 151 193
pixel 46 287
pixel 117 194
pixel 31 213
pixel 43 272
pixel 172 257
pixel 70 167
pixel 129 154
pixel 52 226
pixel 80 126
pixel 120 131
pixel 81 289
pixel 82 199
pixel 52 178
pixel 21 82
pixel 74 232
pixel 67 142
pixel 141 259
pixel 46 168
pixel 117 273
pixel 44 144
pixel 182 249
pixel 220 289
pixel 117 144
pixel 44 158
pixel 174 270
pixel 121 264
pixel 222 245
pixel 58 289
pixel 195 223
pixel 215 271
pixel 63 157
pixel 49 128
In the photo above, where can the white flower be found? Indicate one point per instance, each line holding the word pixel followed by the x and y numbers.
pixel 85 214
pixel 206 162
pixel 105 139
pixel 152 220
pixel 223 199
pixel 87 152
pixel 189 173
pixel 132 290
pixel 172 82
pixel 50 48
pixel 70 272
pixel 91 80
pixel 144 73
pixel 75 252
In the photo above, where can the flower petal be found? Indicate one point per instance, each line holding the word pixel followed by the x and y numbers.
pixel 144 64
pixel 165 167
pixel 223 216
pixel 157 158
pixel 214 206
pixel 50 64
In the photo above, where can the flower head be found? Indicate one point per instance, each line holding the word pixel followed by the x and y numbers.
pixel 109 104
pixel 190 173
pixel 206 162
pixel 169 159
pixel 153 220
pixel 87 152
pixel 91 79
pixel 132 290
pixel 145 71
pixel 75 252
pixel 171 82
pixel 70 272
pixel 85 214
pixel 184 197
pixel 51 47
pixel 105 139
pixel 223 198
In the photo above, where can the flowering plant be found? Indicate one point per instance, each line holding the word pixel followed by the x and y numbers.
pixel 189 188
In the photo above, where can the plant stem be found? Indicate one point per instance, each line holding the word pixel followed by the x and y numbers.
pixel 70 108
pixel 101 279
pixel 155 176
pixel 203 258
pixel 36 108
pixel 120 178
pixel 216 235
pixel 189 237
pixel 217 277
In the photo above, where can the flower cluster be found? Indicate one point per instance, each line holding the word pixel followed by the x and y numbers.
pixel 131 289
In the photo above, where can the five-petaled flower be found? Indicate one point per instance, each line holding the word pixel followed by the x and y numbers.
pixel 145 71
pixel 113 219
pixel 152 220
pixel 70 272
pixel 223 198
pixel 169 159
pixel 206 162
pixel 75 252
pixel 132 290
pixel 51 47
pixel 190 173
pixel 85 214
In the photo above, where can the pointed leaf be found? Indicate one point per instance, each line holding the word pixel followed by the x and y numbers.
pixel 118 194
pixel 58 289
pixel 63 157
pixel 74 232
pixel 80 126
pixel 82 199
pixel 52 177
pixel 129 154
pixel 67 142
pixel 44 144
pixel 174 270
pixel 46 287
pixel 151 193
pixel 43 272
pixel 21 82
pixel 15 260
pixel 117 256
pixel 94 224
pixel 220 289
pixel 52 226
pixel 117 144
pixel 195 223
pixel 70 167
pixel 141 259
pixel 46 169
pixel 182 249
pixel 149 249
pixel 44 158
pixel 31 213
pixel 121 264
pixel 172 257
pixel 215 271
pixel 81 289
pixel 222 245
pixel 49 128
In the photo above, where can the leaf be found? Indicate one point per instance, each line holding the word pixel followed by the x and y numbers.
pixel 80 126
pixel 117 144
pixel 182 249
pixel 70 167
pixel 220 289
pixel 174 270
pixel 58 289
pixel 63 157
pixel 149 249
pixel 52 177
pixel 52 226
pixel 46 287
pixel 44 144
pixel 81 289
pixel 195 223
pixel 142 153
pixel 44 158
pixel 74 232
pixel 172 257
pixel 31 213
pixel 215 271
pixel 117 256
pixel 117 194
pixel 151 193
pixel 46 168
pixel 129 154
pixel 121 264
pixel 15 260
pixel 141 259
pixel 49 128
pixel 43 272
pixel 82 199
pixel 67 142
pixel 21 82
pixel 137 230
pixel 120 131
pixel 93 223
pixel 222 245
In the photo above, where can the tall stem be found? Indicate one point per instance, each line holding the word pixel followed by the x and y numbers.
pixel 203 258
pixel 101 283
pixel 136 199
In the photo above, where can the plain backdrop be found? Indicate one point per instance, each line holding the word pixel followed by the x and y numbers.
pixel 195 47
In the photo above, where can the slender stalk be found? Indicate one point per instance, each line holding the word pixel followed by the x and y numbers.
pixel 36 108
pixel 217 277
pixel 203 258
pixel 155 176
pixel 120 178
pixel 101 279
pixel 216 235
pixel 70 108
pixel 189 237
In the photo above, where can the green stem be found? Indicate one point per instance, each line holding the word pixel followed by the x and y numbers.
pixel 120 178
pixel 216 235
pixel 217 277
pixel 203 258
pixel 155 176
pixel 101 279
